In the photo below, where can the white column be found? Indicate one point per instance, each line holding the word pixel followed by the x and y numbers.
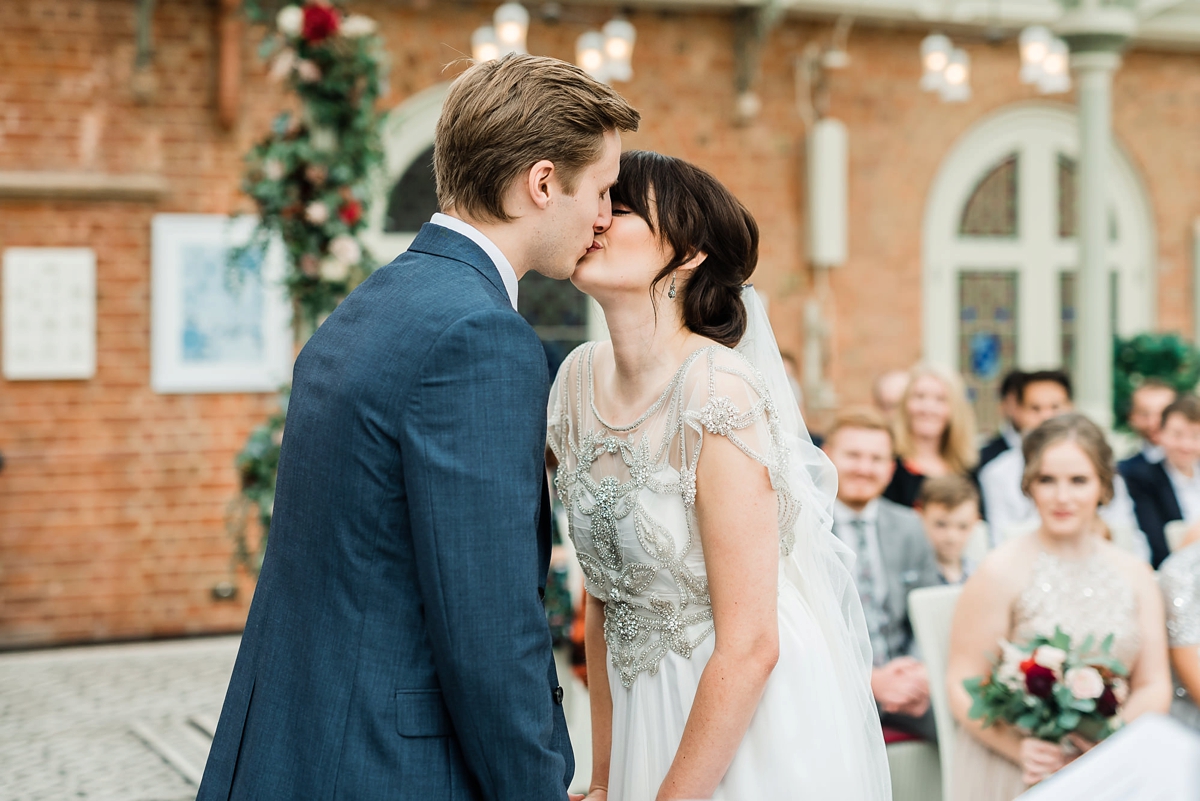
pixel 1093 366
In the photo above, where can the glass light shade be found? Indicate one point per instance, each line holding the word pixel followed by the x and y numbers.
pixel 484 46
pixel 957 78
pixel 935 55
pixel 1035 43
pixel 1056 75
pixel 589 55
pixel 511 22
pixel 619 36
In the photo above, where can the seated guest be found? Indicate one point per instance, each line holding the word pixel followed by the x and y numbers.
pixel 1062 576
pixel 893 558
pixel 935 432
pixel 1168 489
pixel 1008 436
pixel 1145 417
pixel 1008 510
pixel 888 390
pixel 1179 577
pixel 949 509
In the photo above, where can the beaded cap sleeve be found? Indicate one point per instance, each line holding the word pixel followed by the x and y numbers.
pixel 630 494
pixel 1179 577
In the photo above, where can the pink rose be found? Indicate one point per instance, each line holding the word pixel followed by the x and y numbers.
pixel 1050 657
pixel 308 71
pixel 317 213
pixel 1085 682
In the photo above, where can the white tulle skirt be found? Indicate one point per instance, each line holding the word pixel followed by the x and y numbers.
pixel 809 739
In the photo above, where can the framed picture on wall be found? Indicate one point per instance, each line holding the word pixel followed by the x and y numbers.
pixel 216 326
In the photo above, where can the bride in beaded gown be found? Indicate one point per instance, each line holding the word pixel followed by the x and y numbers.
pixel 727 653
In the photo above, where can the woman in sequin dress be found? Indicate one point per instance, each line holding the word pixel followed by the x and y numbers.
pixel 726 649
pixel 1179 576
pixel 1066 575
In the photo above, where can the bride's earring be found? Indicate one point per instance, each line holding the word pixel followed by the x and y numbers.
pixel 671 291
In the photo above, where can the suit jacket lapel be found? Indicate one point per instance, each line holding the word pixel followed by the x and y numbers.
pixel 892 556
pixel 438 241
pixel 1170 502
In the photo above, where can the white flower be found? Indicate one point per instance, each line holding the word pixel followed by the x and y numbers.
pixel 282 65
pixel 1085 682
pixel 1120 689
pixel 273 169
pixel 323 140
pixel 290 21
pixel 317 213
pixel 333 269
pixel 356 25
pixel 308 71
pixel 1009 674
pixel 1050 657
pixel 345 249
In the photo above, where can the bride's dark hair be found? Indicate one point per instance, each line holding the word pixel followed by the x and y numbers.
pixel 694 213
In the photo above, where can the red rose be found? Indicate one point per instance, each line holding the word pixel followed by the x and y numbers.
pixel 351 212
pixel 320 22
pixel 1106 704
pixel 1039 680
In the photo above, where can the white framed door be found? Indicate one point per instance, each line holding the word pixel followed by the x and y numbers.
pixel 999 250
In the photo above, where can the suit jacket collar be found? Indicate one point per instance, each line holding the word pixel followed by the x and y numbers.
pixel 436 240
pixel 1172 508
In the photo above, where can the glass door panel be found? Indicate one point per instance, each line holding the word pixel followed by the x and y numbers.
pixel 987 337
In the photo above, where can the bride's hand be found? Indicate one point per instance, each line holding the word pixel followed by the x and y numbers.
pixel 1040 759
pixel 595 794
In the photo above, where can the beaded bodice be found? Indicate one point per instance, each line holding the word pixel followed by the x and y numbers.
pixel 1082 597
pixel 1179 577
pixel 630 495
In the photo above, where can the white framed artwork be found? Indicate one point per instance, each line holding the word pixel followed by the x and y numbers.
pixel 216 327
pixel 49 314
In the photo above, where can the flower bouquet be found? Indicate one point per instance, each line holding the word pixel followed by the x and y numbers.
pixel 1049 689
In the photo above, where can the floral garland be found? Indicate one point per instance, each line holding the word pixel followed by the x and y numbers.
pixel 309 179
pixel 309 176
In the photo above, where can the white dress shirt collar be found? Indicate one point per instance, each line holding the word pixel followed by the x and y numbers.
pixel 1010 434
pixel 507 274
pixel 844 514
pixel 1187 490
pixel 1152 453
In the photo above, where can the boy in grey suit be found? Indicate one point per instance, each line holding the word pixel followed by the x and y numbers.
pixel 397 647
pixel 893 558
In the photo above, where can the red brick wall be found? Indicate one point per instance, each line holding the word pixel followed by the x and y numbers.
pixel 112 503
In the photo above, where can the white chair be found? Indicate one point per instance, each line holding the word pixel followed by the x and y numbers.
pixel 931 609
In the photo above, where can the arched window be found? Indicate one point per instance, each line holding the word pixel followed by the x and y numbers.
pixel 1000 251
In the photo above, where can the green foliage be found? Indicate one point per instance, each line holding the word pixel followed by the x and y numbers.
pixel 257 465
pixel 1168 357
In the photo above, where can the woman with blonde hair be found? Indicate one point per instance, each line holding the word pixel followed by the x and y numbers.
pixel 1062 576
pixel 934 432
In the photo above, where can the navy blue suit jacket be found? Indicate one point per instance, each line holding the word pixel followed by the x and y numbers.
pixel 397 646
pixel 1154 502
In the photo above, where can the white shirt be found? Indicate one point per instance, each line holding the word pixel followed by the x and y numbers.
pixel 1187 491
pixel 843 518
pixel 503 266
pixel 1152 453
pixel 1010 434
pixel 1010 511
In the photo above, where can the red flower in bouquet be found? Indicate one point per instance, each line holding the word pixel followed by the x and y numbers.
pixel 350 212
pixel 320 22
pixel 1039 680
pixel 1107 703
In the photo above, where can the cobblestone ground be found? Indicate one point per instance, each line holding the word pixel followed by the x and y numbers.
pixel 103 722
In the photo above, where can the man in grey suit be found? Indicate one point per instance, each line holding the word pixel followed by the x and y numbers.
pixel 397 647
pixel 893 558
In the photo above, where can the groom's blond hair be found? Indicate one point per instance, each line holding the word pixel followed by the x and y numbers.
pixel 501 117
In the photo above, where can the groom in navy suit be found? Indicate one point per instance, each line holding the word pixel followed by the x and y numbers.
pixel 397 647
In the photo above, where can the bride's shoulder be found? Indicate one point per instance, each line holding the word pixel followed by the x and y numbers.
pixel 719 371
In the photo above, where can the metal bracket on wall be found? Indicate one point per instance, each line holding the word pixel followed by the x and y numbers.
pixel 144 84
pixel 752 26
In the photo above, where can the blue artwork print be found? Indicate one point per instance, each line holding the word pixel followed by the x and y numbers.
pixel 985 355
pixel 222 308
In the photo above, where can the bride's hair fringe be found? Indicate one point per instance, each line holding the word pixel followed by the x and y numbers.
pixel 692 212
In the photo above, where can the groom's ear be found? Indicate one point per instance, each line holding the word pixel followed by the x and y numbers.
pixel 541 182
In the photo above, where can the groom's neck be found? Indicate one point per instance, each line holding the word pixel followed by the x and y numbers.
pixel 504 235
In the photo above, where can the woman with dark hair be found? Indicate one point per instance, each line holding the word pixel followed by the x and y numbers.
pixel 727 653
pixel 1065 575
